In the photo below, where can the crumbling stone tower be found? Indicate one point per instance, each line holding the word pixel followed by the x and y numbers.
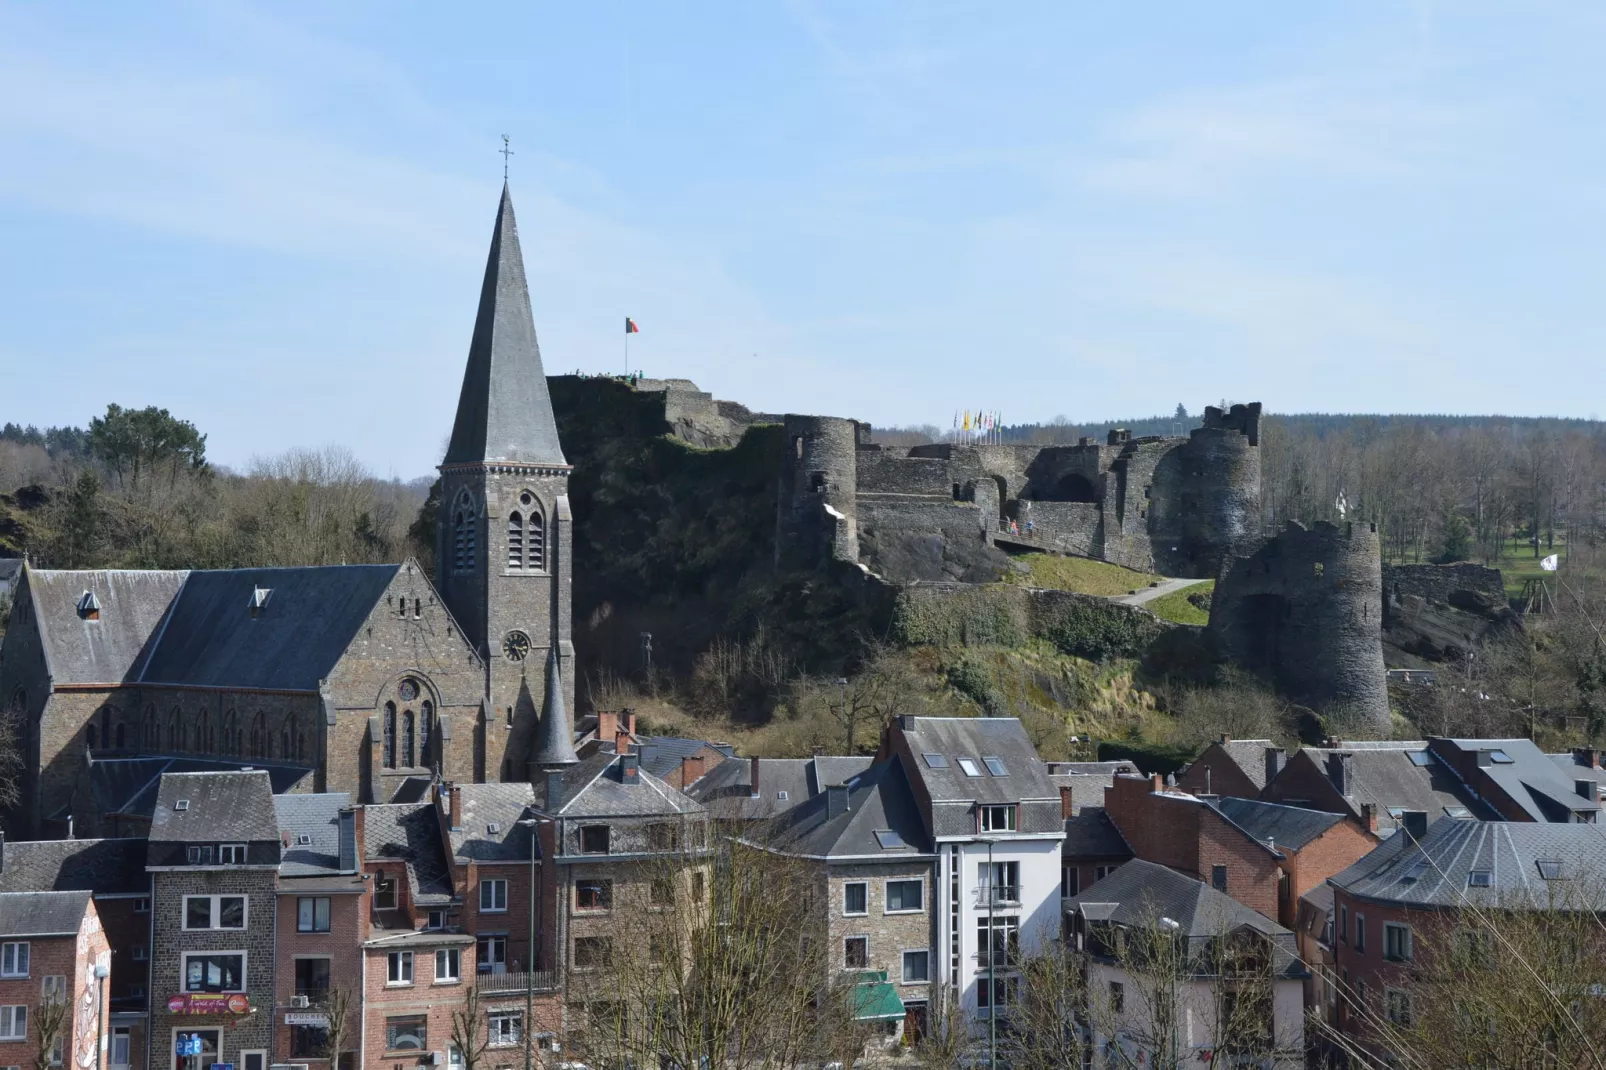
pixel 504 532
pixel 1305 611
pixel 817 508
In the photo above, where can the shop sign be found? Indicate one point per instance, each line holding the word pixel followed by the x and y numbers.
pixel 306 1018
pixel 208 1003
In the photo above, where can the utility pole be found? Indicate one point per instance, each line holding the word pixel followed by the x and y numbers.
pixel 533 951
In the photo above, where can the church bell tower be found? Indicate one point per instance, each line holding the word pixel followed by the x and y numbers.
pixel 502 539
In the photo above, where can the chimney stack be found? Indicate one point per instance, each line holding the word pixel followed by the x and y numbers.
pixel 1275 757
pixel 629 717
pixel 607 726
pixel 630 768
pixel 753 765
pixel 691 770
pixel 1586 756
pixel 455 793
pixel 1067 807
pixel 1156 783
pixel 621 743
pixel 347 829
pixel 1340 770
pixel 1369 817
pixel 1415 824
pixel 554 791
pixel 1224 739
pixel 359 832
pixel 836 800
pixel 1587 789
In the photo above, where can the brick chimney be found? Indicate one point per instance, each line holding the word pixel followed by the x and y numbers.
pixel 359 823
pixel 1156 783
pixel 455 809
pixel 691 770
pixel 607 725
pixel 1224 739
pixel 628 717
pixel 630 768
pixel 753 777
pixel 1067 808
pixel 1586 756
pixel 621 743
pixel 1369 817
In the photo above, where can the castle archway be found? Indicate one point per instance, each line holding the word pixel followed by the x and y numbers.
pixel 1073 487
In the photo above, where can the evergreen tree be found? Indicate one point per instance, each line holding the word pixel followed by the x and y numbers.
pixel 81 527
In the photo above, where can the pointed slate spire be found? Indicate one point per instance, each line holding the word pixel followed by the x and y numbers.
pixel 504 413
pixel 555 745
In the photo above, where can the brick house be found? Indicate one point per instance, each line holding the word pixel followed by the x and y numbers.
pixel 1389 908
pixel 1239 768
pixel 113 871
pixel 1375 783
pixel 1519 781
pixel 1262 854
pixel 214 856
pixel 322 923
pixel 51 948
pixel 363 679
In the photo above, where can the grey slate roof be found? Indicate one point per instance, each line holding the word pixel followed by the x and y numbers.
pixel 726 789
pixel 1434 873
pixel 661 755
pixel 104 867
pixel 501 805
pixel 1139 893
pixel 210 637
pixel 1249 755
pixel 554 744
pixel 222 806
pixel 104 651
pixel 593 788
pixel 953 793
pixel 317 816
pixel 1287 826
pixel 504 412
pixel 1087 789
pixel 410 833
pixel 128 786
pixel 1574 769
pixel 1090 833
pixel 1530 778
pixel 1385 776
pixel 42 913
pixel 878 800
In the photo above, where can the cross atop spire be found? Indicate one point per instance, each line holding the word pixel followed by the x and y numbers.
pixel 506 150
pixel 504 413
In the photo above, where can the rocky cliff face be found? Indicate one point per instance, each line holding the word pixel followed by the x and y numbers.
pixel 1437 613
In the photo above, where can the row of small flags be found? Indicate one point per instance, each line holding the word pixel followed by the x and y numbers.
pixel 976 421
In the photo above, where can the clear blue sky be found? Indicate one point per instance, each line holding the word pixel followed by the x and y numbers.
pixel 272 219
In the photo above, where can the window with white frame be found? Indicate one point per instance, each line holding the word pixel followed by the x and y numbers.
pixel 214 912
pixel 201 855
pixel 231 854
pixel 122 1045
pixel 493 896
pixel 1396 942
pixel 905 897
pixel 448 964
pixel 13 1023
pixel 856 898
pixel 490 953
pixel 506 1027
pixel 312 914
pixel 14 958
pixel 401 968
pixel 999 818
pixel 214 971
pixel 916 967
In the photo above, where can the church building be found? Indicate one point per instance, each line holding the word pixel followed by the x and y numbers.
pixel 365 679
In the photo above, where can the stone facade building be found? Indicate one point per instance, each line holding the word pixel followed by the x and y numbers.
pixel 362 679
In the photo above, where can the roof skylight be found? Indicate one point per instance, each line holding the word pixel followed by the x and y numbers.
pixel 995 766
pixel 1500 757
pixel 1549 868
pixel 889 840
pixel 1419 757
pixel 936 761
pixel 1480 878
pixel 969 766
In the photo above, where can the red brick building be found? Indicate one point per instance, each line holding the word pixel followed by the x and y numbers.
pixel 55 963
pixel 1239 768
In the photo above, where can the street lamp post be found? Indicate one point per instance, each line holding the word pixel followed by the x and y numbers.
pixel 533 952
pixel 1171 926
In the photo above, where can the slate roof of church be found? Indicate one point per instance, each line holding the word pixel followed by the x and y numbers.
pixel 504 412
pixel 220 806
pixel 104 651
pixel 42 913
pixel 879 800
pixel 312 614
pixel 104 867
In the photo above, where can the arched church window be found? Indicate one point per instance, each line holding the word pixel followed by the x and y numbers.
pixel 426 733
pixel 152 739
pixel 106 725
pixel 463 533
pixel 175 731
pixel 259 736
pixel 284 741
pixel 390 736
pixel 231 733
pixel 407 739
pixel 206 734
pixel 535 541
pixel 515 540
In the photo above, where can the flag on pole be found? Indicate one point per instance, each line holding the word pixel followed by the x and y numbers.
pixel 630 326
pixel 1551 563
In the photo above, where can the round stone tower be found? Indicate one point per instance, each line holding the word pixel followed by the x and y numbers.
pixel 816 510
pixel 1305 611
pixel 1205 501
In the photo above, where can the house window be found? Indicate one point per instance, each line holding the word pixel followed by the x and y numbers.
pixel 384 893
pixel 490 954
pixel 998 882
pixel 142 905
pixel 448 964
pixel 594 839
pixel 138 952
pixel 905 896
pixel 214 971
pixel 1070 881
pixel 312 978
pixel 308 1041
pixel 436 920
pixel 995 766
pixel 401 968
pixel 856 898
pixel 996 991
pixel 1399 1006
pixel 663 892
pixel 312 914
pixel 506 1027
pixel 13 1023
pixel 121 1045
pixel 1117 997
pixel 1360 932
pixel 1396 942
pixel 14 959
pixel 591 952
pixel 593 894
pixel 663 836
pixel 660 948
pixel 1002 950
pixel 493 896
pixel 200 856
pixel 1100 872
pixel 1343 924
pixel 407 1033
pixel 231 854
pixel 916 967
pixel 856 952
pixel 997 818
pixel 54 988
pixel 1218 878
pixel 214 912
pixel 698 887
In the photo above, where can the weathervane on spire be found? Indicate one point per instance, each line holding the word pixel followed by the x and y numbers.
pixel 506 151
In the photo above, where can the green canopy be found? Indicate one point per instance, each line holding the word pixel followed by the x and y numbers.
pixel 874 998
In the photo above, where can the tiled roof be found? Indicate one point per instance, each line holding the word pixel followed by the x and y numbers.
pixel 726 789
pixel 881 820
pixel 973 738
pixel 42 913
pixel 1091 834
pixel 233 805
pixel 128 786
pixel 1249 755
pixel 1287 826
pixel 1138 894
pixel 1530 777
pixel 105 867
pixel 1437 871
pixel 594 788
pixel 103 651
pixel 317 818
pixel 491 831
pixel 1386 776
pixel 410 833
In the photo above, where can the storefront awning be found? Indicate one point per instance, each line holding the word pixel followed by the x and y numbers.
pixel 873 998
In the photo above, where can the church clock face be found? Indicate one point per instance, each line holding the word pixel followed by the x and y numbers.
pixel 516 646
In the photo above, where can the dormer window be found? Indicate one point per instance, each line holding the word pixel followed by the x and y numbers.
pixel 259 599
pixel 89 606
pixel 996 818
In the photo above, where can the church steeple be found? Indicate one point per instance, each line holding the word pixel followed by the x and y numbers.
pixel 504 413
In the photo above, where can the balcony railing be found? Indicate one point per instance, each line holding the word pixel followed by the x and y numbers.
pixel 1002 895
pixel 545 981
